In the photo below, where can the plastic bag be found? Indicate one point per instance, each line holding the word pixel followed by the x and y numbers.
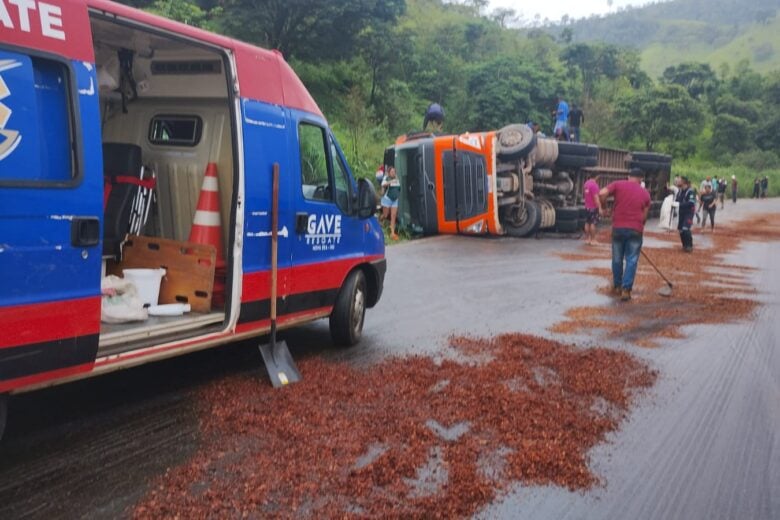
pixel 120 301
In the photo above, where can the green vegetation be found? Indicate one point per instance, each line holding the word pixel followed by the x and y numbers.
pixel 375 65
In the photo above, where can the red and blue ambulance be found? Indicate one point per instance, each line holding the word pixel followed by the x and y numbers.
pixel 99 102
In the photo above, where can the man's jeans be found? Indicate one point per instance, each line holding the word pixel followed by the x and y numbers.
pixel 626 244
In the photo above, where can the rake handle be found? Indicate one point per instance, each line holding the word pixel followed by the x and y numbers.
pixel 656 268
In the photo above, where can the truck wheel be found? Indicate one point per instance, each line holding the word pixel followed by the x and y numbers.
pixel 567 226
pixel 576 161
pixel 522 220
pixel 651 157
pixel 515 141
pixel 587 150
pixel 346 319
pixel 3 413
pixel 571 213
pixel 650 166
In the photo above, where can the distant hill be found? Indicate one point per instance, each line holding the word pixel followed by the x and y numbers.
pixel 711 31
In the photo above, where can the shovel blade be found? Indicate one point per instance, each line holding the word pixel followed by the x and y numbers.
pixel 665 291
pixel 279 363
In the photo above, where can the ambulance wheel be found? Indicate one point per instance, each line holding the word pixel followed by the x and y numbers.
pixel 522 220
pixel 346 319
pixel 3 413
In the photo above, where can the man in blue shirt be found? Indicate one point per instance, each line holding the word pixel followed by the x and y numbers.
pixel 561 130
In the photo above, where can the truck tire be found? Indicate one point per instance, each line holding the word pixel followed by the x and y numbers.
pixel 651 157
pixel 348 314
pixel 567 226
pixel 587 150
pixel 515 141
pixel 521 221
pixel 650 166
pixel 576 161
pixel 3 413
pixel 567 214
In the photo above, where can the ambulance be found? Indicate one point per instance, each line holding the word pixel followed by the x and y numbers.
pixel 113 123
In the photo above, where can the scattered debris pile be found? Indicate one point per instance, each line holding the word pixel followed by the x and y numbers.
pixel 706 288
pixel 410 437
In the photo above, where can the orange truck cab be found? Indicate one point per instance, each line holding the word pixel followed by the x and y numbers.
pixel 507 182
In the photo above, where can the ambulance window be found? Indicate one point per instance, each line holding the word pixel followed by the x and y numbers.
pixel 36 141
pixel 314 163
pixel 175 130
pixel 340 180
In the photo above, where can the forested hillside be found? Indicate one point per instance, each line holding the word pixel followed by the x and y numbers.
pixel 670 32
pixel 374 66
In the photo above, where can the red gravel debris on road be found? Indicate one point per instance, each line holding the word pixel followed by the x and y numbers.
pixel 407 438
pixel 706 288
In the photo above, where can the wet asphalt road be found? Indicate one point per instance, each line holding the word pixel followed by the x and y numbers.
pixel 703 443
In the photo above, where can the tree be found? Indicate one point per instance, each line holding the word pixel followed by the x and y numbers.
pixel 731 135
pixel 307 29
pixel 663 117
pixel 697 78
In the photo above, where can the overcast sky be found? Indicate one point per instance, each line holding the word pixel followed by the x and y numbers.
pixel 555 9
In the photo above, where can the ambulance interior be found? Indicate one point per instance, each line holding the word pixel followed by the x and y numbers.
pixel 166 119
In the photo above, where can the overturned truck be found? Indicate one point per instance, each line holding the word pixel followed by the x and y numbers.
pixel 507 182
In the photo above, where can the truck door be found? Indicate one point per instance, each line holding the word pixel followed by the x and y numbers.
pixel 51 193
pixel 327 231
pixel 465 176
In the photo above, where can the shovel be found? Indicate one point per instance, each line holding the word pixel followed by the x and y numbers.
pixel 663 291
pixel 276 356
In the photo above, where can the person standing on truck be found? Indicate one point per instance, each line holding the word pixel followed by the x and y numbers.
pixel 629 213
pixel 561 114
pixel 708 203
pixel 686 198
pixel 391 187
pixel 576 118
pixel 434 118
pixel 734 189
pixel 592 206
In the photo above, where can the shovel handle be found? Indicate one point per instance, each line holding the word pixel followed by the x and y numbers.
pixel 274 239
pixel 655 267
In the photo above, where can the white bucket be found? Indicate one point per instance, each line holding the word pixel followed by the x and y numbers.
pixel 147 281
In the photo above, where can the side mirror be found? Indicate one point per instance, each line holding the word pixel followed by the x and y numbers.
pixel 366 199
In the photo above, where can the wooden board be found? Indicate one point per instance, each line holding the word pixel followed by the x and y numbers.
pixel 189 267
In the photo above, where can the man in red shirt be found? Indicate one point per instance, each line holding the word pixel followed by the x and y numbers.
pixel 629 214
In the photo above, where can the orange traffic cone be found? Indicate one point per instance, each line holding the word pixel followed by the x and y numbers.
pixel 207 229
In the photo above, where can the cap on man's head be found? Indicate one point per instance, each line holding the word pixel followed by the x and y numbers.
pixel 636 172
pixel 685 179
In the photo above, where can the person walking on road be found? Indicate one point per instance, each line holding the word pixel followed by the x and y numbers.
pixel 576 118
pixel 756 188
pixel 592 206
pixel 708 203
pixel 734 189
pixel 764 186
pixel 722 191
pixel 629 213
pixel 686 198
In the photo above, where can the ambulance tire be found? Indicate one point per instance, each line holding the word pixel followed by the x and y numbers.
pixel 3 413
pixel 515 141
pixel 349 312
pixel 522 225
